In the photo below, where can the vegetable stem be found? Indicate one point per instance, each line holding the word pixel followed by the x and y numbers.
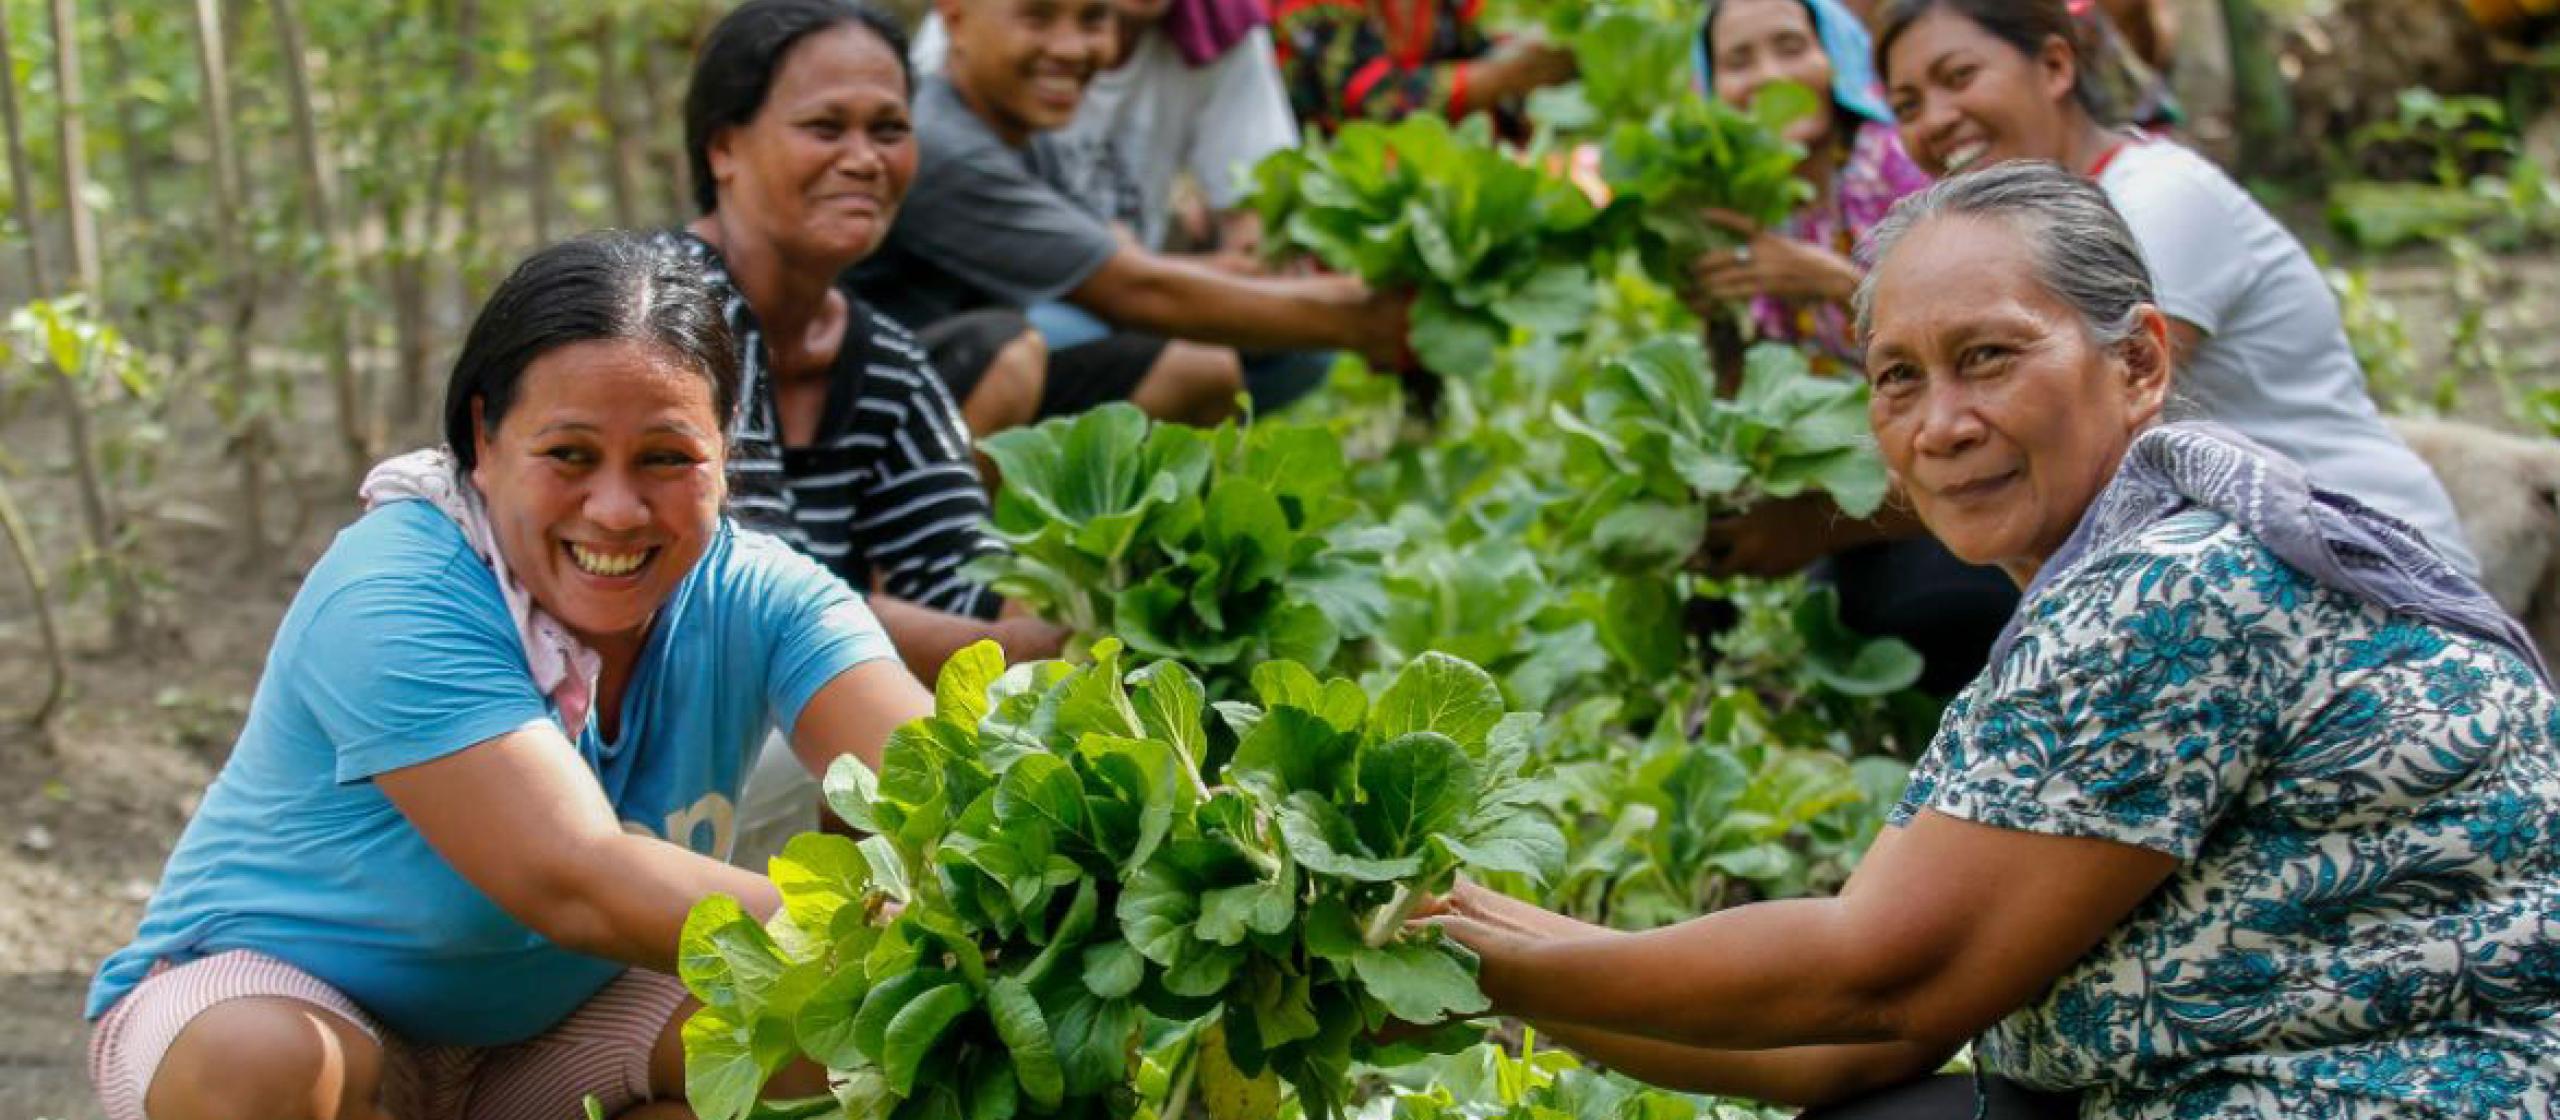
pixel 1390 917
pixel 1177 1098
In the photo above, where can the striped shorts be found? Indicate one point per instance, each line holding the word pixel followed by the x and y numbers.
pixel 602 1049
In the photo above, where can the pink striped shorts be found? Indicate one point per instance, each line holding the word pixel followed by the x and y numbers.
pixel 602 1049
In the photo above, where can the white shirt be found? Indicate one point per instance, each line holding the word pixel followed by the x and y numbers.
pixel 2274 362
pixel 1154 116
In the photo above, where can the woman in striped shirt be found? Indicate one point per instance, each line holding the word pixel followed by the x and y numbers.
pixel 846 443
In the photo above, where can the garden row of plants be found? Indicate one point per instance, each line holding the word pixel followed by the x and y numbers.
pixel 1327 663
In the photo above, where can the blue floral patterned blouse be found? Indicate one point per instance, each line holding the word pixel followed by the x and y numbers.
pixel 2366 922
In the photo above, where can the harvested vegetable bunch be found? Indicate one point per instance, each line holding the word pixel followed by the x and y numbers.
pixel 1698 153
pixel 1487 243
pixel 1218 549
pixel 1633 58
pixel 1065 869
pixel 1662 454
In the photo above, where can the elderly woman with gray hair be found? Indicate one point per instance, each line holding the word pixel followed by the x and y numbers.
pixel 2252 812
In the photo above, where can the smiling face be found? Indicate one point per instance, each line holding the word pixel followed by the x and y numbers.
pixel 1762 41
pixel 603 484
pixel 1024 64
pixel 1998 414
pixel 1966 98
pixel 819 171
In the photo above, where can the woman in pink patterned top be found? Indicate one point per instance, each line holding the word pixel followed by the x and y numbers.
pixel 1798 275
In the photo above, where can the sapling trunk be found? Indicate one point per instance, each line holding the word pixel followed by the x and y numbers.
pixel 247 413
pixel 537 166
pixel 124 605
pixel 57 666
pixel 618 138
pixel 137 179
pixel 355 425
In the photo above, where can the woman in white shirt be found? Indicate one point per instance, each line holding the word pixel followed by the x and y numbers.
pixel 2259 343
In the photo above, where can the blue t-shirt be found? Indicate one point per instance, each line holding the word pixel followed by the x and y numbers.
pixel 399 650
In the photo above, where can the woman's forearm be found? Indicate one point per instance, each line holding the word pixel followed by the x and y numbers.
pixel 1802 1077
pixel 634 908
pixel 1776 974
pixel 1195 302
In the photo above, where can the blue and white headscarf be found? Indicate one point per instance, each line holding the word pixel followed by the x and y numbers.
pixel 2339 542
pixel 1854 84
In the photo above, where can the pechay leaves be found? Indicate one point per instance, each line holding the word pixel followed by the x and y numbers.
pixel 1217 550
pixel 1489 244
pixel 1070 869
pixel 1651 431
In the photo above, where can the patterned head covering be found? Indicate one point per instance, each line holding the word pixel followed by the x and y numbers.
pixel 2339 542
pixel 1854 85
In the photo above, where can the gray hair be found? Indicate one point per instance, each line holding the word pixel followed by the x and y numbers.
pixel 2084 253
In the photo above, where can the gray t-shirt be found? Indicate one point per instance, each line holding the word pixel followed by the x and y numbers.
pixel 984 223
pixel 1154 116
pixel 2275 363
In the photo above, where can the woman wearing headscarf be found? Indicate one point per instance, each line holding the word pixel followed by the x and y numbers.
pixel 1798 275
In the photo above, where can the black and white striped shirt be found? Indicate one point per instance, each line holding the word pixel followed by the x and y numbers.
pixel 886 485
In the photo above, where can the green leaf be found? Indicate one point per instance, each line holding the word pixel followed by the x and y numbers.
pixel 818 875
pixel 1521 841
pixel 1289 750
pixel 1845 660
pixel 1325 841
pixel 960 693
pixel 1420 981
pixel 1413 786
pixel 881 1005
pixel 1556 299
pixel 1439 693
pixel 915 1030
pixel 1146 773
pixel 1092 1036
pixel 1157 912
pixel 726 958
pixel 1112 969
pixel 851 789
pixel 1042 788
pixel 1169 702
pixel 721 1074
pixel 1025 1033
pixel 993 1095
pixel 1453 341
pixel 825 1025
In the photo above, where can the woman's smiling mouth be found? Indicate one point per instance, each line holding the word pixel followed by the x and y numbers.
pixel 607 564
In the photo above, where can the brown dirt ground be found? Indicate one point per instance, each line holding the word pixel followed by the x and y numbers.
pixel 88 815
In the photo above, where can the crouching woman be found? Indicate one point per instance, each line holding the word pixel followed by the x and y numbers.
pixel 491 762
pixel 2250 813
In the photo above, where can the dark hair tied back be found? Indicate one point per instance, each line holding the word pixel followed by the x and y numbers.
pixel 738 61
pixel 603 287
pixel 2026 25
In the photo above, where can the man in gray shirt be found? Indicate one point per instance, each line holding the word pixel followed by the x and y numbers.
pixel 991 221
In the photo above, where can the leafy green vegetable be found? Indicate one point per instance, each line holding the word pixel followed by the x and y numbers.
pixel 1219 549
pixel 1698 152
pixel 1665 454
pixel 1489 244
pixel 1632 57
pixel 1070 870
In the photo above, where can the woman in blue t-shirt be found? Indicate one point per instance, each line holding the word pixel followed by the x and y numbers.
pixel 492 762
